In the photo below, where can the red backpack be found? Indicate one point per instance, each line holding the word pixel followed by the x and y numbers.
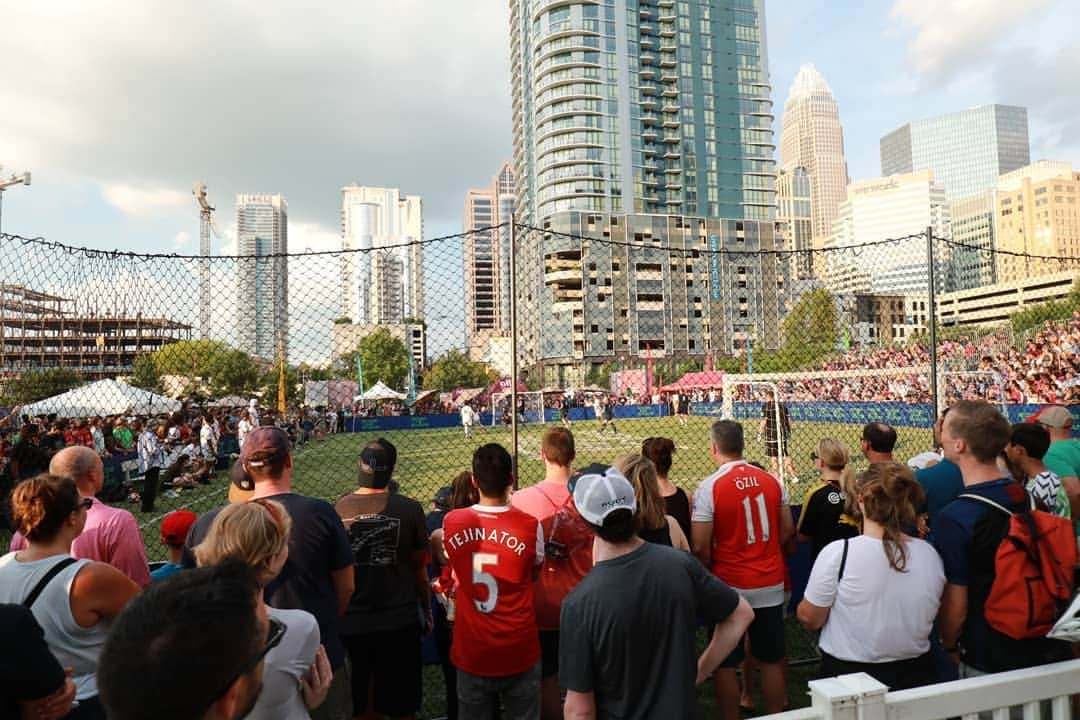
pixel 1033 572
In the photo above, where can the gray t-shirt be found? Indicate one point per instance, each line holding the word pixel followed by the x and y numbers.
pixel 628 632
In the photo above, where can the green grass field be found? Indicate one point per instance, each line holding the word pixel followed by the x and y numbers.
pixel 428 459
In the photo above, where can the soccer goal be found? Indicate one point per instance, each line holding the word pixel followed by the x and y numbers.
pixel 757 391
pixel 534 406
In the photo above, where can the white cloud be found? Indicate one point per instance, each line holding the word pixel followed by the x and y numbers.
pixel 139 202
pixel 951 36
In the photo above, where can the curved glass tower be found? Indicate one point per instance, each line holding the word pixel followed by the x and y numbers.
pixel 642 106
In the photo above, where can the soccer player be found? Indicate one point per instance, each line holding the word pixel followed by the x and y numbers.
pixel 741 522
pixel 495 551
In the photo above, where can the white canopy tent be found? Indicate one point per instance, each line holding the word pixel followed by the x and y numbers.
pixel 380 391
pixel 104 397
pixel 230 401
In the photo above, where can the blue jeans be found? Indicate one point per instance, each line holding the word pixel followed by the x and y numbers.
pixel 479 698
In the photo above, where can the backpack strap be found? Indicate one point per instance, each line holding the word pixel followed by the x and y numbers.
pixel 985 501
pixel 45 580
pixel 843 562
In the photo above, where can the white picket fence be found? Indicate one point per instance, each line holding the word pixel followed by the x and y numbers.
pixel 1002 696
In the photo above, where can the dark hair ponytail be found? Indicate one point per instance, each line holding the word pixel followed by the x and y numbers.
pixel 890 497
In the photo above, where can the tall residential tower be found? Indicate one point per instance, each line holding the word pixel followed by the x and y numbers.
pixel 642 106
pixel 486 262
pixel 384 282
pixel 811 138
pixel 262 304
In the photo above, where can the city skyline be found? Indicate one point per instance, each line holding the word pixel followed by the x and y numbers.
pixel 262 298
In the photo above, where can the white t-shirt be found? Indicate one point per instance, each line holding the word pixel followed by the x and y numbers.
pixel 878 614
pixel 466 415
pixel 242 429
pixel 281 698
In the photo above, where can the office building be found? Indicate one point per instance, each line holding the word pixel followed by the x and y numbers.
pixel 486 262
pixel 965 150
pixel 880 209
pixel 1038 213
pixel 384 281
pixel 345 339
pixel 811 138
pixel 669 286
pixel 794 211
pixel 974 231
pixel 642 106
pixel 262 304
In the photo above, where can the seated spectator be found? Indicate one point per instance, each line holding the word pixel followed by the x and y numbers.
pixel 822 519
pixel 72 600
pixel 32 683
pixel 257 533
pixel 654 525
pixel 676 500
pixel 1024 455
pixel 883 573
pixel 174 531
pixel 148 668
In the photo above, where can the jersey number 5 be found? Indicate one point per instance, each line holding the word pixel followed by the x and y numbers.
pixel 763 514
pixel 479 577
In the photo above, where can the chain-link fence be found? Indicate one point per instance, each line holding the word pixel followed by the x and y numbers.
pixel 620 328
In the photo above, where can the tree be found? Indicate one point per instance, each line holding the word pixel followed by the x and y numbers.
pixel 454 369
pixel 145 374
pixel 39 384
pixel 270 381
pixel 223 370
pixel 385 358
pixel 810 331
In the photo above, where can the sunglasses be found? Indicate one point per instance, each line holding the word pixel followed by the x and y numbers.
pixel 814 456
pixel 86 503
pixel 273 639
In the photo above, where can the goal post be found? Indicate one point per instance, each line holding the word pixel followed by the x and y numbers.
pixel 945 376
pixel 534 406
pixel 755 387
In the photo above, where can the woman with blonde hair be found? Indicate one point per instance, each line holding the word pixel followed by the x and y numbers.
pixel 822 519
pixel 74 601
pixel 297 674
pixel 883 573
pixel 654 525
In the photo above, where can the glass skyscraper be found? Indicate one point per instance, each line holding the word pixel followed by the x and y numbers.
pixel 262 303
pixel 967 151
pixel 642 106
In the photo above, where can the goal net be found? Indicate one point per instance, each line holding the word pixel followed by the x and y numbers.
pixel 530 407
pixel 985 385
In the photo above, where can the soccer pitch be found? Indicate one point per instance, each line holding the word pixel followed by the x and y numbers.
pixel 428 459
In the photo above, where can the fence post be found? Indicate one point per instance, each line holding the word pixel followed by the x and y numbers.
pixel 514 348
pixel 848 697
pixel 932 302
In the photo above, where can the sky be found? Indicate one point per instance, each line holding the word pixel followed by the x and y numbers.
pixel 117 107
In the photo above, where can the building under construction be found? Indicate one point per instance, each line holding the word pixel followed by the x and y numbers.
pixel 39 331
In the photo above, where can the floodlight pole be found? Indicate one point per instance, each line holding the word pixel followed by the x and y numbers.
pixel 513 347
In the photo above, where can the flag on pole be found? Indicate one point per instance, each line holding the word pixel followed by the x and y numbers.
pixel 360 373
pixel 281 384
pixel 648 370
pixel 708 362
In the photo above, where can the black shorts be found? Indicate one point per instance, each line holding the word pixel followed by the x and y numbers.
pixel 774 448
pixel 766 635
pixel 549 653
pixel 392 660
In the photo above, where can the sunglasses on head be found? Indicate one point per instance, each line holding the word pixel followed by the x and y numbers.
pixel 85 503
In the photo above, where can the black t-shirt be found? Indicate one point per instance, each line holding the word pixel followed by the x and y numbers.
pixel 28 671
pixel 318 546
pixel 32 459
pixel 385 531
pixel 678 507
pixel 820 519
pixel 627 632
pixel 768 412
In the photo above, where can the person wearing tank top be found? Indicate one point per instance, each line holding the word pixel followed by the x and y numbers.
pixel 676 500
pixel 76 605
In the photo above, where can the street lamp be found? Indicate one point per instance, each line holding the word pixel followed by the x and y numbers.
pixel 23 179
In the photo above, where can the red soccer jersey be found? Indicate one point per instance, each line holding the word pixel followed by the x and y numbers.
pixel 493 551
pixel 744 504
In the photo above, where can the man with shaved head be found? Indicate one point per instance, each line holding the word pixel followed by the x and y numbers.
pixel 111 535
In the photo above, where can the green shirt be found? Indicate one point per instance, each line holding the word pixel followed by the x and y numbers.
pixel 1063 458
pixel 124 437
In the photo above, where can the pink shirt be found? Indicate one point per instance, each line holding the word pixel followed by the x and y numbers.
pixel 111 536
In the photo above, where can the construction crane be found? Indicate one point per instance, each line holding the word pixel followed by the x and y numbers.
pixel 206 226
